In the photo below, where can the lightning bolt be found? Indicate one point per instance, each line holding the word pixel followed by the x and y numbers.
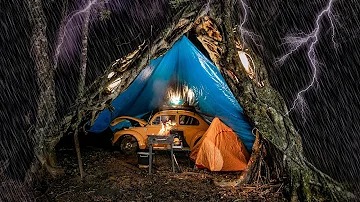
pixel 62 34
pixel 310 41
pixel 245 32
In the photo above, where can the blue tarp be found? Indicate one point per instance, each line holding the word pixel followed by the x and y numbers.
pixel 185 63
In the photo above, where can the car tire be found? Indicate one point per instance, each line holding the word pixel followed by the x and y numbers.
pixel 128 145
pixel 196 141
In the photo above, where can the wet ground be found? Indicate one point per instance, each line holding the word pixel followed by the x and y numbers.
pixel 111 176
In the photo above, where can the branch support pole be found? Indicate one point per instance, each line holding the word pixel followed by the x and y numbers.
pixel 81 88
pixel 78 153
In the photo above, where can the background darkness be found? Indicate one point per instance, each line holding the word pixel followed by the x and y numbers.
pixel 330 133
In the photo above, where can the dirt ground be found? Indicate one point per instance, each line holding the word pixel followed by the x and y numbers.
pixel 111 176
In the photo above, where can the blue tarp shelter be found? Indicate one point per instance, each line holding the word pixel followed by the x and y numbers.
pixel 186 64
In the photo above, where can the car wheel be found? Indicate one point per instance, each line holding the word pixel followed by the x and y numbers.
pixel 196 141
pixel 128 145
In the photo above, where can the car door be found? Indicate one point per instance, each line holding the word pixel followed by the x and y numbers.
pixel 189 125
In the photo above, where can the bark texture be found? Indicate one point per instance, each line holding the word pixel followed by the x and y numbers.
pixel 267 110
pixel 277 139
pixel 45 78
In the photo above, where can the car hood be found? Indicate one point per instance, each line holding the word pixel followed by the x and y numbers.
pixel 124 118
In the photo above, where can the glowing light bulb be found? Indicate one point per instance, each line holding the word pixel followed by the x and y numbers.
pixel 244 60
pixel 113 85
pixel 111 75
pixel 175 100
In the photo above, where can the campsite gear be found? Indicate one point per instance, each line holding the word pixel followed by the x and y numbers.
pixel 177 141
pixel 143 159
pixel 185 131
pixel 182 64
pixel 161 139
pixel 180 135
pixel 220 149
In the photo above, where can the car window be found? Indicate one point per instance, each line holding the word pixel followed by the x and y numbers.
pixel 163 119
pixel 188 120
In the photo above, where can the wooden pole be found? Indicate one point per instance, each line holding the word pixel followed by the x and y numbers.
pixel 78 154
pixel 81 87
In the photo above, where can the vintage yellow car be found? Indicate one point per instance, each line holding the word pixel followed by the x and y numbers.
pixel 188 125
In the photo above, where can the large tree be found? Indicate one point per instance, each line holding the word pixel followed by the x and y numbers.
pixel 46 109
pixel 277 149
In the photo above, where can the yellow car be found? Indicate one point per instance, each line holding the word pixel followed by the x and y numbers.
pixel 188 125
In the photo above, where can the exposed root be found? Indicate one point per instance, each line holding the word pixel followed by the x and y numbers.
pixel 261 168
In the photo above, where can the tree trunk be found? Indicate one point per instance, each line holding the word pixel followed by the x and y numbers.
pixel 267 110
pixel 60 37
pixel 45 78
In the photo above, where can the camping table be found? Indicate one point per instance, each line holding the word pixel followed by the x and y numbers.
pixel 161 139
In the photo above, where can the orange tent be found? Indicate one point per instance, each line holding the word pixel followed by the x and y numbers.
pixel 220 149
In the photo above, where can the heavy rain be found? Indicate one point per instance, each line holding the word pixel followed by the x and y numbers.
pixel 53 53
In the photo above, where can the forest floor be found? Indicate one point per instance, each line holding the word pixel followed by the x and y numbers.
pixel 112 176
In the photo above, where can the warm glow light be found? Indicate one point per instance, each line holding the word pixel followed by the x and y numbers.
pixel 250 68
pixel 175 100
pixel 111 75
pixel 191 96
pixel 166 128
pixel 114 84
pixel 181 96
pixel 244 60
